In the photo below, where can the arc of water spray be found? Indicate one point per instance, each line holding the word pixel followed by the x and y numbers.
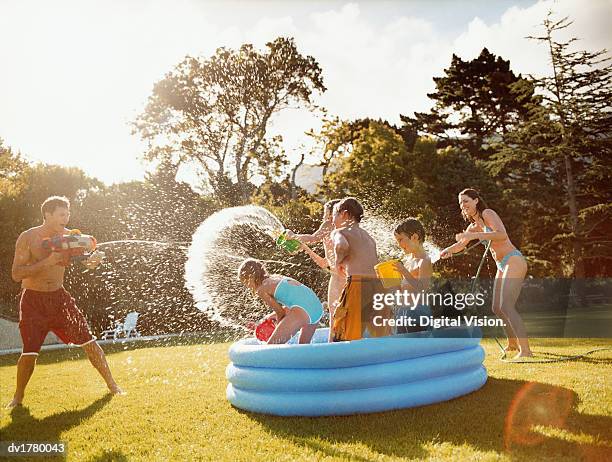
pixel 200 269
pixel 181 244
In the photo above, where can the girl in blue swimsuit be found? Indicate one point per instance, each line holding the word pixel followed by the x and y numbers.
pixel 295 305
pixel 485 225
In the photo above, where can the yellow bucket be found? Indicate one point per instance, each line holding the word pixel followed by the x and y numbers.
pixel 387 273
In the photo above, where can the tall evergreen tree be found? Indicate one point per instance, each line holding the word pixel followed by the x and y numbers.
pixel 474 101
pixel 568 139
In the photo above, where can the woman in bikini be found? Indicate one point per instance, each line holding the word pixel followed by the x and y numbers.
pixel 485 225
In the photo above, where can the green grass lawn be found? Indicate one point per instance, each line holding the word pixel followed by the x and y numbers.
pixel 175 409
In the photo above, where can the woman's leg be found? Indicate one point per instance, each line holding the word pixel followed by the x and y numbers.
pixel 498 285
pixel 294 320
pixel 514 275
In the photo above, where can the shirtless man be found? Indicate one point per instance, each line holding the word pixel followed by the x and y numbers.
pixel 355 252
pixel 45 305
pixel 323 234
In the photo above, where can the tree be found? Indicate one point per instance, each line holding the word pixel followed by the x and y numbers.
pixel 475 101
pixel 567 137
pixel 12 169
pixel 374 169
pixel 217 111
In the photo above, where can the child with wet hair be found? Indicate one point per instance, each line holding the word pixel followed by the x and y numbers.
pixel 416 273
pixel 337 278
pixel 296 307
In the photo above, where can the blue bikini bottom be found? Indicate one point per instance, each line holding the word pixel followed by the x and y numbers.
pixel 504 261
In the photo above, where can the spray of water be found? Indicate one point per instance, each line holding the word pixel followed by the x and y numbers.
pixel 218 246
pixel 144 242
pixel 381 231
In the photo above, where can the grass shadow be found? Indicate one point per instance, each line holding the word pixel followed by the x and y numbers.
pixel 25 427
pixel 490 419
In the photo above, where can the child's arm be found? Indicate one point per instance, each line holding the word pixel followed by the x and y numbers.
pixel 319 260
pixel 421 282
pixel 317 236
pixel 269 300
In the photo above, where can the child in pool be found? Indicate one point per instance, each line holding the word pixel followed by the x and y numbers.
pixel 337 278
pixel 295 305
pixel 416 274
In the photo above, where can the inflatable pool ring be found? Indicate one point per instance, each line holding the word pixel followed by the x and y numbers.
pixel 369 375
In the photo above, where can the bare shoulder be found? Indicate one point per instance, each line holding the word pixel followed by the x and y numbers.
pixel 262 290
pixel 489 214
pixel 340 233
pixel 492 219
pixel 269 284
pixel 27 235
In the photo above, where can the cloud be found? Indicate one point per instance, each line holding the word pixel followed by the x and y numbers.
pixel 507 37
pixel 77 72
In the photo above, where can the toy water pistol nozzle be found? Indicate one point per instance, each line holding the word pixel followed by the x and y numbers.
pixel 73 246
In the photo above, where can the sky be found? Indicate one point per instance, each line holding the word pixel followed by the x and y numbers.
pixel 75 73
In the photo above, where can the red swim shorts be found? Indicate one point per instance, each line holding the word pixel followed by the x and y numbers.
pixel 41 312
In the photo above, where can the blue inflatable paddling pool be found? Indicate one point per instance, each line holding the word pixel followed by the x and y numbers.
pixel 369 375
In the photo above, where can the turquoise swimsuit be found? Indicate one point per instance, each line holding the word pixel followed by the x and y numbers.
pixel 504 261
pixel 292 296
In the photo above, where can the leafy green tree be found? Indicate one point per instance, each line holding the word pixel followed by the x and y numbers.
pixel 395 183
pixel 374 168
pixel 475 101
pixel 568 138
pixel 579 96
pixel 217 111
pixel 12 169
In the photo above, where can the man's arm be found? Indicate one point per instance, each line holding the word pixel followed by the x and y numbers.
pixel 341 247
pixel 21 270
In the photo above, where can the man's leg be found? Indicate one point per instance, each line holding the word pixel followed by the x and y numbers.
pixel 25 368
pixel 98 360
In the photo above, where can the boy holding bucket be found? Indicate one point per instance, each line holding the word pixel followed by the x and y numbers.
pixel 416 274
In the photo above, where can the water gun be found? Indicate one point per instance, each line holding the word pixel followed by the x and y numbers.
pixel 73 246
pixel 264 330
pixel 290 245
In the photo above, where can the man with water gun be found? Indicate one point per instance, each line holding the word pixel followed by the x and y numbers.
pixel 42 254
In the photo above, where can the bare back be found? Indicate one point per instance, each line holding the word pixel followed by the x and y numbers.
pixel 29 251
pixel 362 255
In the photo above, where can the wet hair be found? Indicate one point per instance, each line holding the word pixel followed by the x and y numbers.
pixel 254 269
pixel 481 205
pixel 329 205
pixel 352 206
pixel 52 203
pixel 410 227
